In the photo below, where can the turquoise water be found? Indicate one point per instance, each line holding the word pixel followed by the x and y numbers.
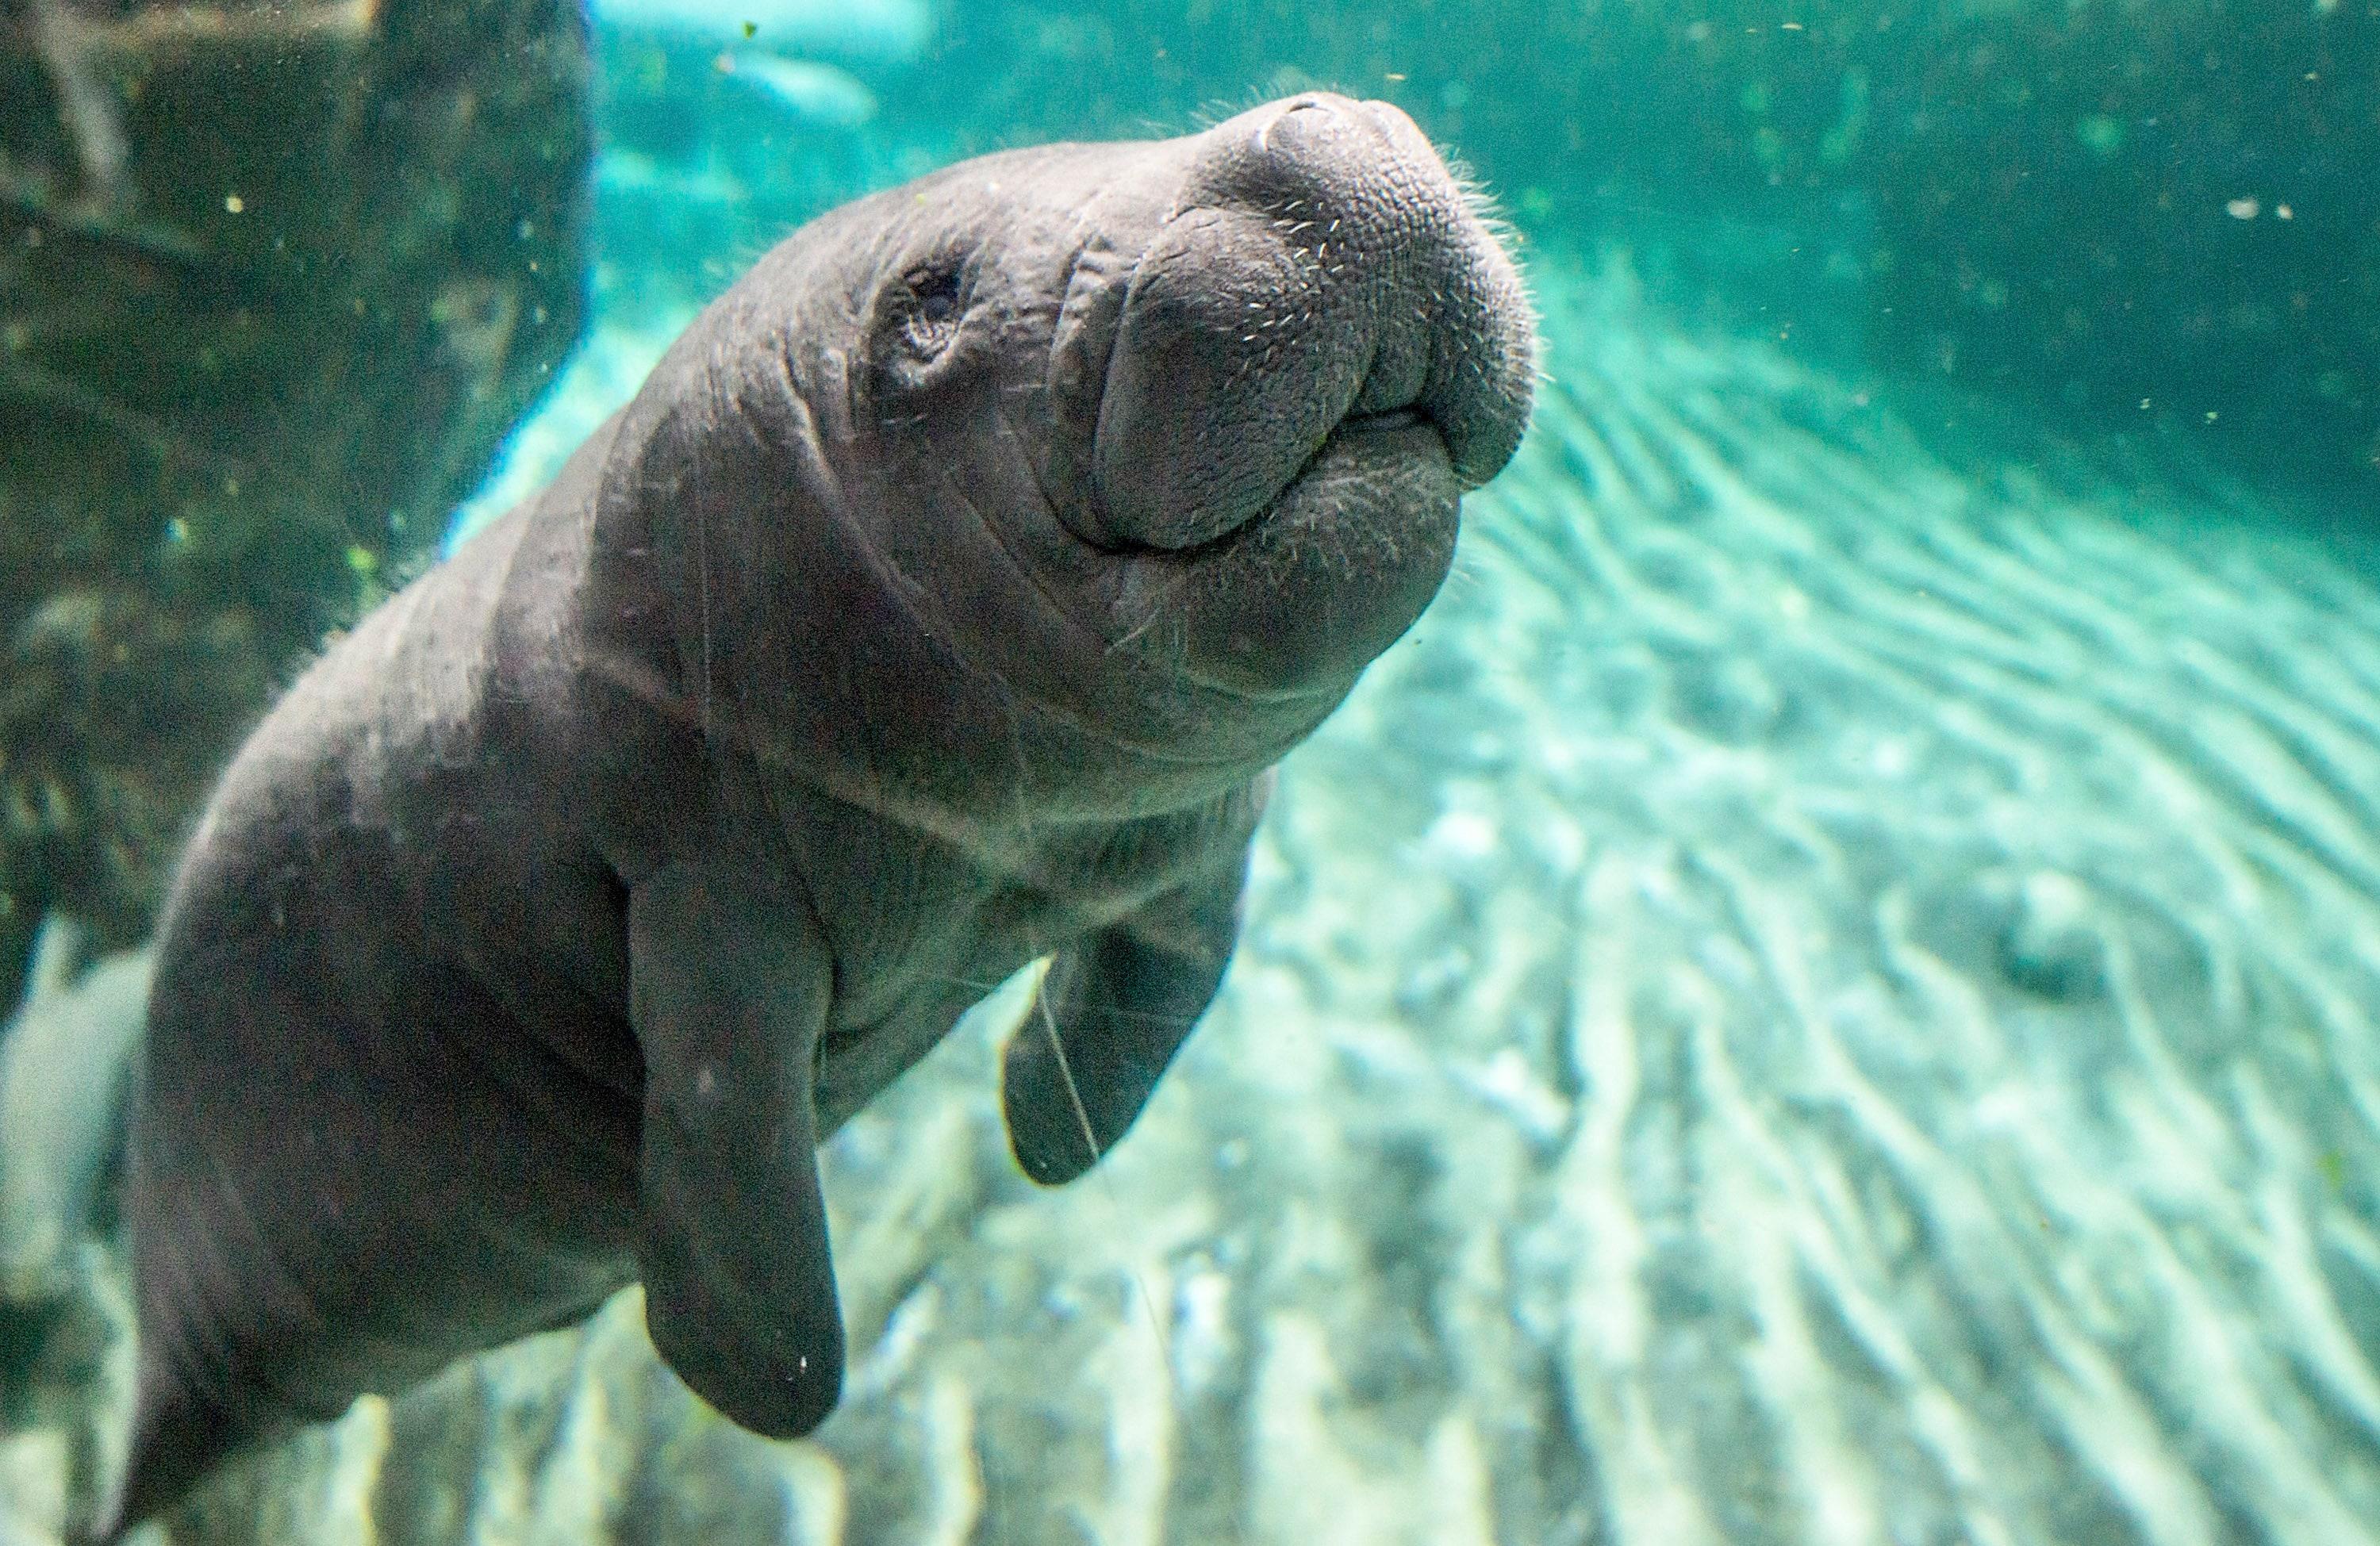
pixel 1824 993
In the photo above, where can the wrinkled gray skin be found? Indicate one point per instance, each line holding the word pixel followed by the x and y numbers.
pixel 940 602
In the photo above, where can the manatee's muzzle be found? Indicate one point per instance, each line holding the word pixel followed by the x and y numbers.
pixel 1320 292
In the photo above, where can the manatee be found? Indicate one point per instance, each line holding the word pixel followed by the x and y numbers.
pixel 940 604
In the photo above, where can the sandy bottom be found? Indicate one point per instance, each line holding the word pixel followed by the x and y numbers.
pixel 1822 996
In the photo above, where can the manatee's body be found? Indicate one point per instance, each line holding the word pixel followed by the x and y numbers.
pixel 940 602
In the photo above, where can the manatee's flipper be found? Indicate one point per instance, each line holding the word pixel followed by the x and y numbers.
pixel 178 1437
pixel 1119 1004
pixel 729 983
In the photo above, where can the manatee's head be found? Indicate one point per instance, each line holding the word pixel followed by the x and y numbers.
pixel 1199 409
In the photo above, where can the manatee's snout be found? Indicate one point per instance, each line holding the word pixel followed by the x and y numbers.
pixel 1321 303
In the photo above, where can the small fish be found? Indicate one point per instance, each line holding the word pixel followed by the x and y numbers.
pixel 816 94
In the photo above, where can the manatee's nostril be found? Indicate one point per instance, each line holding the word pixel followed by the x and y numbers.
pixel 1392 121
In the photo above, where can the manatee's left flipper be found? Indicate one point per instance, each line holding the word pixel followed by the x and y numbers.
pixel 1120 1004
pixel 729 983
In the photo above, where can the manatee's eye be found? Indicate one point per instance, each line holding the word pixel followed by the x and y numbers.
pixel 929 317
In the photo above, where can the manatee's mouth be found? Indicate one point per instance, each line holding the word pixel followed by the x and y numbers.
pixel 1391 465
pixel 1323 574
pixel 1391 418
pixel 1313 310
pixel 1365 466
pixel 1384 451
pixel 1200 433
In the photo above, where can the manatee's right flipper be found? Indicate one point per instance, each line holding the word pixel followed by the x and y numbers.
pixel 178 1437
pixel 729 985
pixel 1113 1011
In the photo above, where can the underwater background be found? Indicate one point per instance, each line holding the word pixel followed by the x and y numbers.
pixel 1828 992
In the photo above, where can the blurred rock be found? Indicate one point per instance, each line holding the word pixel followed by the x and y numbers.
pixel 2052 946
pixel 32 1480
pixel 275 281
pixel 65 1391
